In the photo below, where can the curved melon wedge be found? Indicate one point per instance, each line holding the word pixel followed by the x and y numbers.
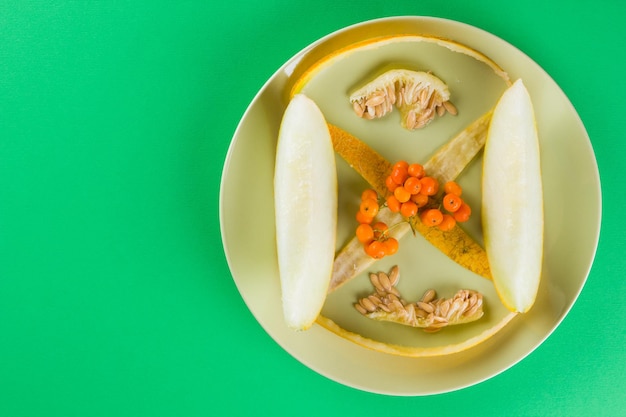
pixel 512 206
pixel 305 197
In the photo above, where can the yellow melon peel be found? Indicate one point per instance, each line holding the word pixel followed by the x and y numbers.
pixel 303 77
pixel 413 351
pixel 445 165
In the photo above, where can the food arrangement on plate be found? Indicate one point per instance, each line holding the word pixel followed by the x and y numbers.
pixel 389 304
pixel 421 197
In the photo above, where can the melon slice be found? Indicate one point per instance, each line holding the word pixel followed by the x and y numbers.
pixel 305 197
pixel 512 201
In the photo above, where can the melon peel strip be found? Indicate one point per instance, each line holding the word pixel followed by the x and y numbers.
pixel 445 165
pixel 377 42
pixel 413 351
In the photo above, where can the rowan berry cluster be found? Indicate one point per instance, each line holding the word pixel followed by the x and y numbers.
pixel 373 234
pixel 413 194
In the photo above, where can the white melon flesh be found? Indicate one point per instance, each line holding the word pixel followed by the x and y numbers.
pixel 305 196
pixel 512 206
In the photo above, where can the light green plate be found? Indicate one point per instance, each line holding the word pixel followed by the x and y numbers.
pixel 570 178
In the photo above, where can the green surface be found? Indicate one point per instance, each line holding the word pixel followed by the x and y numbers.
pixel 115 295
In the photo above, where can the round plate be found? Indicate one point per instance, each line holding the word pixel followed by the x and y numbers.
pixel 570 179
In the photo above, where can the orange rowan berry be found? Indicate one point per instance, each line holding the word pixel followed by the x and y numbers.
pixel 391 246
pixel 401 164
pixel 431 217
pixel 430 186
pixel 393 203
pixel 420 199
pixel 413 185
pixel 447 223
pixel 452 202
pixel 365 233
pixel 399 175
pixel 369 193
pixel 364 218
pixel 369 207
pixel 408 209
pixel 402 194
pixel 463 213
pixel 380 229
pixel 375 249
pixel 391 184
pixel 416 170
pixel 451 187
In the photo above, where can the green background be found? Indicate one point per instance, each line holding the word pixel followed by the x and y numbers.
pixel 115 295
